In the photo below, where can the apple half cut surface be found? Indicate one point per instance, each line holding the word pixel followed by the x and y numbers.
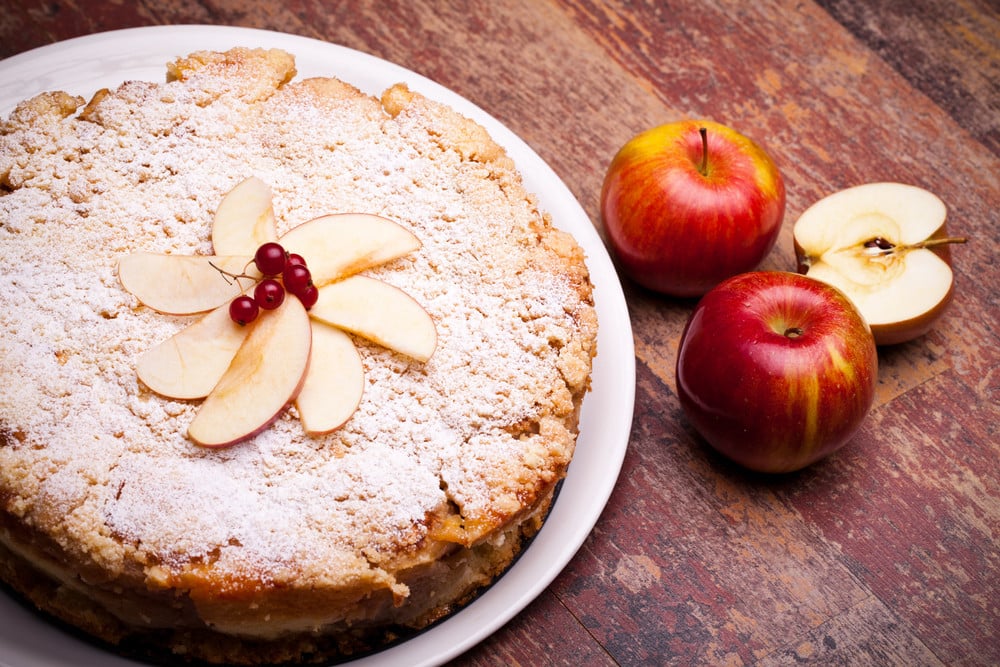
pixel 884 245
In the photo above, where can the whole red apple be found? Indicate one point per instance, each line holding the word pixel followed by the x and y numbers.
pixel 776 370
pixel 688 204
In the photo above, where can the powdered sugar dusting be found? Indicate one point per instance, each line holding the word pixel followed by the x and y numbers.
pixel 144 173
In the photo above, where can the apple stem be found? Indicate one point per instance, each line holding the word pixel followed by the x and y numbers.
pixel 703 167
pixel 879 246
pixel 929 243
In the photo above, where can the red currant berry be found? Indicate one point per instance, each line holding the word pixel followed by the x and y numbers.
pixel 270 259
pixel 243 310
pixel 308 296
pixel 296 278
pixel 269 294
pixel 295 259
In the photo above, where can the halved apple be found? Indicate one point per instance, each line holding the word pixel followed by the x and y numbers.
pixel 342 244
pixel 884 245
pixel 184 284
pixel 334 383
pixel 263 378
pixel 379 312
pixel 244 219
pixel 190 363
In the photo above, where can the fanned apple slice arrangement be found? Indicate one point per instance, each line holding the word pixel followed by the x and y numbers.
pixel 274 316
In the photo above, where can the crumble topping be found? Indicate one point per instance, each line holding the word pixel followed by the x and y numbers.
pixel 478 427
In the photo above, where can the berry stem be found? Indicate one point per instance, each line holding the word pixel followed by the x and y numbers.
pixel 230 277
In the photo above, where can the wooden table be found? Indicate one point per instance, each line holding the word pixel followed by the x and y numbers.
pixel 886 553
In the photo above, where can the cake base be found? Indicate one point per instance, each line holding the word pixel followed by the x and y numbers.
pixel 59 599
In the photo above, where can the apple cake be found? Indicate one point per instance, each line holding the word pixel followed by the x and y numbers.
pixel 273 530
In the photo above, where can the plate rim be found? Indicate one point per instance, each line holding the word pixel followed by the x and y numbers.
pixel 615 367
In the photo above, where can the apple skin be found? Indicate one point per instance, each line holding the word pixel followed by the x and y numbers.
pixel 678 231
pixel 769 401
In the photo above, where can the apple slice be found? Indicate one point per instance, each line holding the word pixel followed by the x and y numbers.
pixel 264 377
pixel 879 243
pixel 244 219
pixel 190 363
pixel 378 312
pixel 336 246
pixel 334 383
pixel 184 284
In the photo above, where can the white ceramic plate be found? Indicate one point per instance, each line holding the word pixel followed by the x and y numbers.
pixel 86 64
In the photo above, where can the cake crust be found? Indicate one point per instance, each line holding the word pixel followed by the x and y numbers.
pixel 286 547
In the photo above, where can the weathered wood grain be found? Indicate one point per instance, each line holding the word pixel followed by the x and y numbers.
pixel 924 548
pixel 545 634
pixel 886 553
pixel 696 562
pixel 950 51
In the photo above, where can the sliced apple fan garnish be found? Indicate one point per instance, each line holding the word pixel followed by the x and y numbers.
pixel 189 364
pixel 884 245
pixel 399 323
pixel 269 333
pixel 269 368
pixel 244 220
pixel 182 284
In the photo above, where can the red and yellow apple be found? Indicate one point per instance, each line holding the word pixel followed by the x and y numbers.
pixel 885 246
pixel 776 370
pixel 688 204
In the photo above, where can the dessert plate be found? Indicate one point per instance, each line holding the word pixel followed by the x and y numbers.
pixel 83 65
